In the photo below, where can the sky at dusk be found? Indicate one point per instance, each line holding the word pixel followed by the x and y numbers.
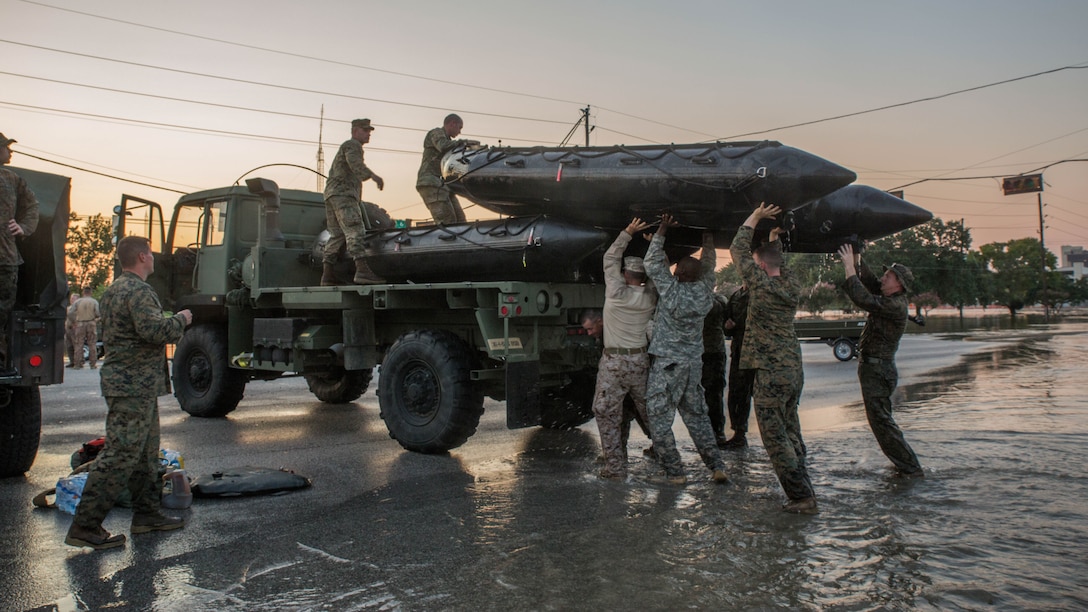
pixel 194 95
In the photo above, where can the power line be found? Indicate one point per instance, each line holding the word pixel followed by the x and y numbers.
pixel 275 86
pixel 908 103
pixel 361 67
pixel 232 106
pixel 991 176
pixel 99 173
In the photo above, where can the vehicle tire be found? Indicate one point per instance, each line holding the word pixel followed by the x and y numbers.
pixel 20 429
pixel 571 405
pixel 844 349
pixel 339 386
pixel 427 398
pixel 204 383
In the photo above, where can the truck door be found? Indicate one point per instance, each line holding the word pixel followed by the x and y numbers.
pixel 140 217
pixel 201 258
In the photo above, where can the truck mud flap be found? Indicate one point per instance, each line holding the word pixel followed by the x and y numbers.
pixel 523 394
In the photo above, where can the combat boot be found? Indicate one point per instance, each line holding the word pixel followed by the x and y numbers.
pixel 98 539
pixel 364 275
pixel 328 276
pixel 146 523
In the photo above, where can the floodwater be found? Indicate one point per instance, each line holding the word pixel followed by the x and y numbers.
pixel 1000 521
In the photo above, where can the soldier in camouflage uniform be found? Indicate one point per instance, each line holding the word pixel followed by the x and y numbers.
pixel 344 213
pixel 133 376
pixel 86 329
pixel 629 303
pixel 714 362
pixel 684 299
pixel 886 302
pixel 18 218
pixel 739 394
pixel 444 207
pixel 772 349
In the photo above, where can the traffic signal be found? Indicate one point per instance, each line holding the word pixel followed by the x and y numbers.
pixel 1027 183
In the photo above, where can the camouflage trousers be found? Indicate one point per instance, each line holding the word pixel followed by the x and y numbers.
pixel 618 377
pixel 714 388
pixel 129 459
pixel 444 206
pixel 878 381
pixel 344 218
pixel 9 278
pixel 84 333
pixel 739 397
pixel 777 393
pixel 675 386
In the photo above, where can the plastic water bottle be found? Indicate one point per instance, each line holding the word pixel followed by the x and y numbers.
pixel 69 492
pixel 176 493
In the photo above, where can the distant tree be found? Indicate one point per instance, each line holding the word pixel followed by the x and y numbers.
pixel 727 277
pixel 1018 275
pixel 924 302
pixel 820 297
pixel 89 250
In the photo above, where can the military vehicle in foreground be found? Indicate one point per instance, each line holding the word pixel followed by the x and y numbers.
pixel 484 309
pixel 36 338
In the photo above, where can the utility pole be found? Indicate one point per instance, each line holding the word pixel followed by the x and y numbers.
pixel 1032 183
pixel 585 120
pixel 321 153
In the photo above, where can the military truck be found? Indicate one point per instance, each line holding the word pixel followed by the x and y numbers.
pixel 36 338
pixel 841 335
pixel 246 261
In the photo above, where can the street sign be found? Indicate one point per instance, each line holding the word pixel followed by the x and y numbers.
pixel 1027 183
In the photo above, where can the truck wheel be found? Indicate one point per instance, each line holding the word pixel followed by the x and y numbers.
pixel 20 429
pixel 427 399
pixel 844 349
pixel 204 382
pixel 570 405
pixel 339 386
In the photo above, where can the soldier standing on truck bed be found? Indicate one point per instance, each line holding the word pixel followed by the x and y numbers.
pixel 444 207
pixel 343 207
pixel 19 217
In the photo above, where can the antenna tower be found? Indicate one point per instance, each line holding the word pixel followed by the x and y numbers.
pixel 321 153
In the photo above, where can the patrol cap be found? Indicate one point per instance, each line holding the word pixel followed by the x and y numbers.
pixel 362 123
pixel 5 141
pixel 634 264
pixel 903 273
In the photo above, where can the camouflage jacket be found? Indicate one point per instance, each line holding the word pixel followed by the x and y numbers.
pixel 770 340
pixel 714 327
pixel 681 307
pixel 135 334
pixel 17 202
pixel 887 315
pixel 435 145
pixel 736 310
pixel 347 172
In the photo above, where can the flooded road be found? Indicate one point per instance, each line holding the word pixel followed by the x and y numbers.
pixel 517 519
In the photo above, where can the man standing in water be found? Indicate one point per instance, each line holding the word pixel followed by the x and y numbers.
pixel 885 299
pixel 772 349
pixel 684 299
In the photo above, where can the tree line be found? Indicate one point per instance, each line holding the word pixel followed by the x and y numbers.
pixel 947 271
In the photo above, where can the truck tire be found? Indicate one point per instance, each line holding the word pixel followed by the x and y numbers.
pixel 204 383
pixel 571 405
pixel 20 429
pixel 428 401
pixel 339 386
pixel 844 349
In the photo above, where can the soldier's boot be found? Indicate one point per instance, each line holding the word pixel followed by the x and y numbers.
pixel 328 276
pixel 364 275
pixel 98 539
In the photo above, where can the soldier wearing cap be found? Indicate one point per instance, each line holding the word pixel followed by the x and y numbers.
pixel 444 207
pixel 343 207
pixel 885 299
pixel 19 218
pixel 684 299
pixel 629 303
